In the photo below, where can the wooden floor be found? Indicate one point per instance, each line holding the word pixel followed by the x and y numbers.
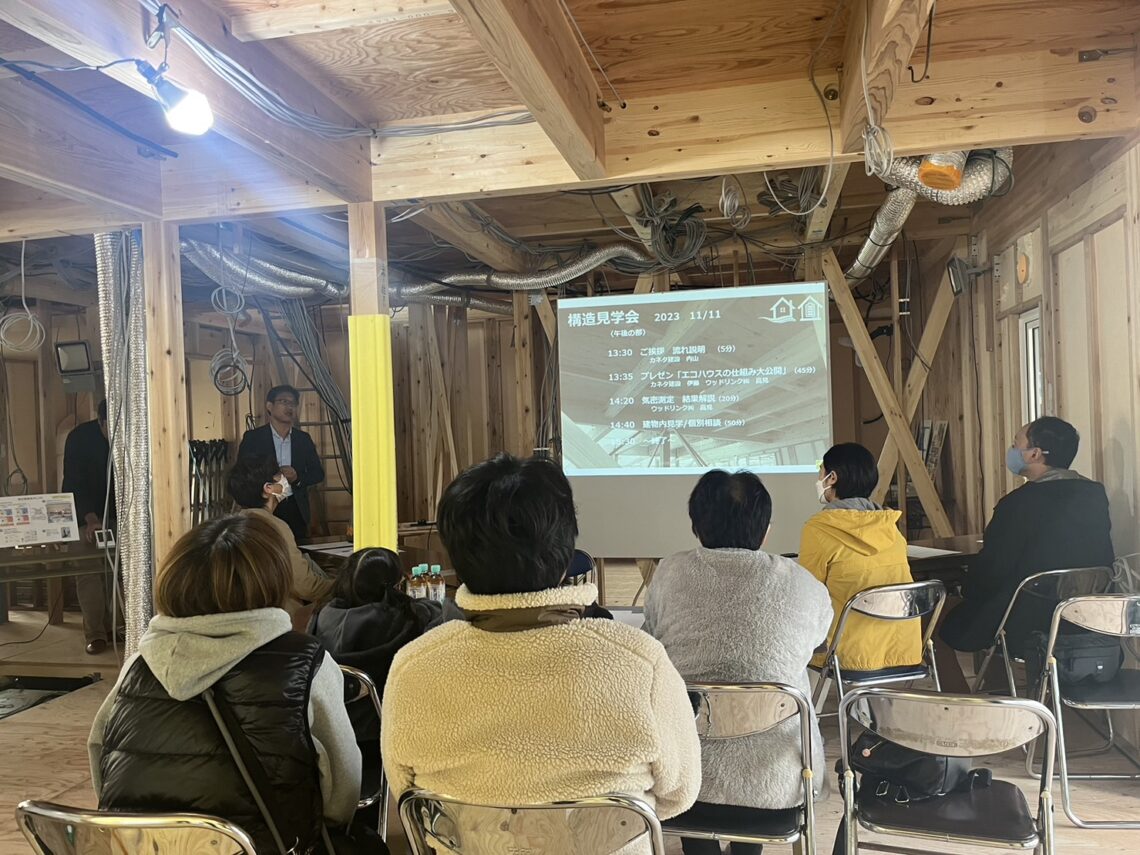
pixel 58 652
pixel 45 757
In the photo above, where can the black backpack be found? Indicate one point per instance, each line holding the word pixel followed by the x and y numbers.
pixel 902 775
pixel 1082 657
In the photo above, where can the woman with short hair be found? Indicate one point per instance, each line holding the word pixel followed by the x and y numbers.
pixel 221 627
pixel 854 544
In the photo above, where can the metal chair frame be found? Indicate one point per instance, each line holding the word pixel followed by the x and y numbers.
pixel 1000 637
pixel 866 603
pixel 1095 614
pixel 591 575
pixel 418 805
pixel 707 728
pixel 947 741
pixel 368 690
pixel 28 811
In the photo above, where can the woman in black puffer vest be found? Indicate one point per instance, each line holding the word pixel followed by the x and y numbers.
pixel 156 747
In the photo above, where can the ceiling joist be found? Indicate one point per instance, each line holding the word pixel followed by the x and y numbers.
pixel 97 32
pixel 534 47
pixel 274 19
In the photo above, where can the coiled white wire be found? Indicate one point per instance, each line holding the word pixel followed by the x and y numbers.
pixel 229 369
pixel 22 332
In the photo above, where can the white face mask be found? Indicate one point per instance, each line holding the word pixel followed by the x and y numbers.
pixel 821 488
pixel 286 488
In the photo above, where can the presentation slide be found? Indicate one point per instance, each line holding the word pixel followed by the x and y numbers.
pixel 682 382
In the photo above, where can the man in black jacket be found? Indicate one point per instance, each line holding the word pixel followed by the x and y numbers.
pixel 295 452
pixel 85 476
pixel 1057 519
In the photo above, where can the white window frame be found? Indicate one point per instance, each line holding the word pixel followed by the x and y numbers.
pixel 1032 365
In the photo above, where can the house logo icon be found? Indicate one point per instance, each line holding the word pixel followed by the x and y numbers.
pixel 811 309
pixel 783 311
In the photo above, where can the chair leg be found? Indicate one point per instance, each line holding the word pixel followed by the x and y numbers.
pixel 383 828
pixel 980 677
pixel 933 665
pixel 1008 667
pixel 821 688
pixel 849 828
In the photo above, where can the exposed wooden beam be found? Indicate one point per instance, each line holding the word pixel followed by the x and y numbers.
pixel 468 229
pixel 216 179
pixel 274 19
pixel 52 289
pixel 535 48
pixel 314 234
pixel 630 203
pixel 763 126
pixel 820 218
pixel 881 38
pixel 166 386
pixel 881 385
pixel 525 429
pixel 49 145
pixel 102 31
pixel 368 264
pixel 30 214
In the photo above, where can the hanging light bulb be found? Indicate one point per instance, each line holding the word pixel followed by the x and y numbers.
pixel 187 111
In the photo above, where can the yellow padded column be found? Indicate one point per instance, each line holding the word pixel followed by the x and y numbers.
pixel 374 516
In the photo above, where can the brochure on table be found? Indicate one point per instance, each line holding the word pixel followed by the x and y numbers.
pixel 42 518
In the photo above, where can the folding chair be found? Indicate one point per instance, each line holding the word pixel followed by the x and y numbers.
pixel 955 726
pixel 358 687
pixel 1110 614
pixel 52 829
pixel 1051 584
pixel 583 569
pixel 906 601
pixel 590 826
pixel 735 710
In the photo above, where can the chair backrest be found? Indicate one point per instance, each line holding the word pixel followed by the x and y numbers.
pixel 905 601
pixel 1060 584
pixel 590 826
pixel 52 829
pixel 581 565
pixel 358 686
pixel 1108 614
pixel 950 725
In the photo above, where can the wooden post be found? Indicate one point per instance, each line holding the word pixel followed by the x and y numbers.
pixel 897 372
pixel 374 513
pixel 524 381
pixel 881 384
pixel 166 389
pixel 494 368
pixel 460 406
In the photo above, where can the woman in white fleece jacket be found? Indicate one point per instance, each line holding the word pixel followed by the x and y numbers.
pixel 527 701
pixel 221 627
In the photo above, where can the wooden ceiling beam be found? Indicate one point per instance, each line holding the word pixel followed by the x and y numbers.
pixel 818 221
pixel 472 233
pixel 274 19
pixel 311 233
pixel 1021 98
pixel 27 213
pixel 630 203
pixel 49 145
pixel 100 31
pixel 881 37
pixel 535 48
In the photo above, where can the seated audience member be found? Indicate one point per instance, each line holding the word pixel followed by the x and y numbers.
pixel 155 745
pixel 369 619
pixel 527 700
pixel 730 612
pixel 258 485
pixel 854 544
pixel 1056 519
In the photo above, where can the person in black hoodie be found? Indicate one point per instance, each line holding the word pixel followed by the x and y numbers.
pixel 1057 519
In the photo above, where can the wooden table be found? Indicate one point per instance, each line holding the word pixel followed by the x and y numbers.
pixel 951 568
pixel 52 561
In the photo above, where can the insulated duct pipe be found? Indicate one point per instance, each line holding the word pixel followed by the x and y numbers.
pixel 984 173
pixel 122 330
pixel 424 294
pixel 258 275
pixel 551 278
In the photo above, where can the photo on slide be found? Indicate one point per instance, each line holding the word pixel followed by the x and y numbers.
pixel 687 381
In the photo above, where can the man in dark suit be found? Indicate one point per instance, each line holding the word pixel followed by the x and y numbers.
pixel 295 453
pixel 1057 519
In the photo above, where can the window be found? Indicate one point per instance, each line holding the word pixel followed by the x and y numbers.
pixel 1032 374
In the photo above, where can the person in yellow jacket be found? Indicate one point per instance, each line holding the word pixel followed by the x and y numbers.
pixel 854 544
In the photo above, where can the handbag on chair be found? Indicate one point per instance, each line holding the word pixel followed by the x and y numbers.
pixel 904 775
pixel 355 839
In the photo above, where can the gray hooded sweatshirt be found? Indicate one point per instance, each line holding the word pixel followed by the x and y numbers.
pixel 188 655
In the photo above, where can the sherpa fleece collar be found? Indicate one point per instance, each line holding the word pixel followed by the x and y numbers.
pixel 571 595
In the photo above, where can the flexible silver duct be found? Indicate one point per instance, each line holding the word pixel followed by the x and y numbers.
pixel 423 294
pixel 549 278
pixel 122 327
pixel 984 174
pixel 258 275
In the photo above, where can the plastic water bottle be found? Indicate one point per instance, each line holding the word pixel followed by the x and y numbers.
pixel 437 586
pixel 417 589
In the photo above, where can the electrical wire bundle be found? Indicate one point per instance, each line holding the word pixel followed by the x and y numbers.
pixel 21 331
pixel 676 237
pixel 733 205
pixel 229 369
